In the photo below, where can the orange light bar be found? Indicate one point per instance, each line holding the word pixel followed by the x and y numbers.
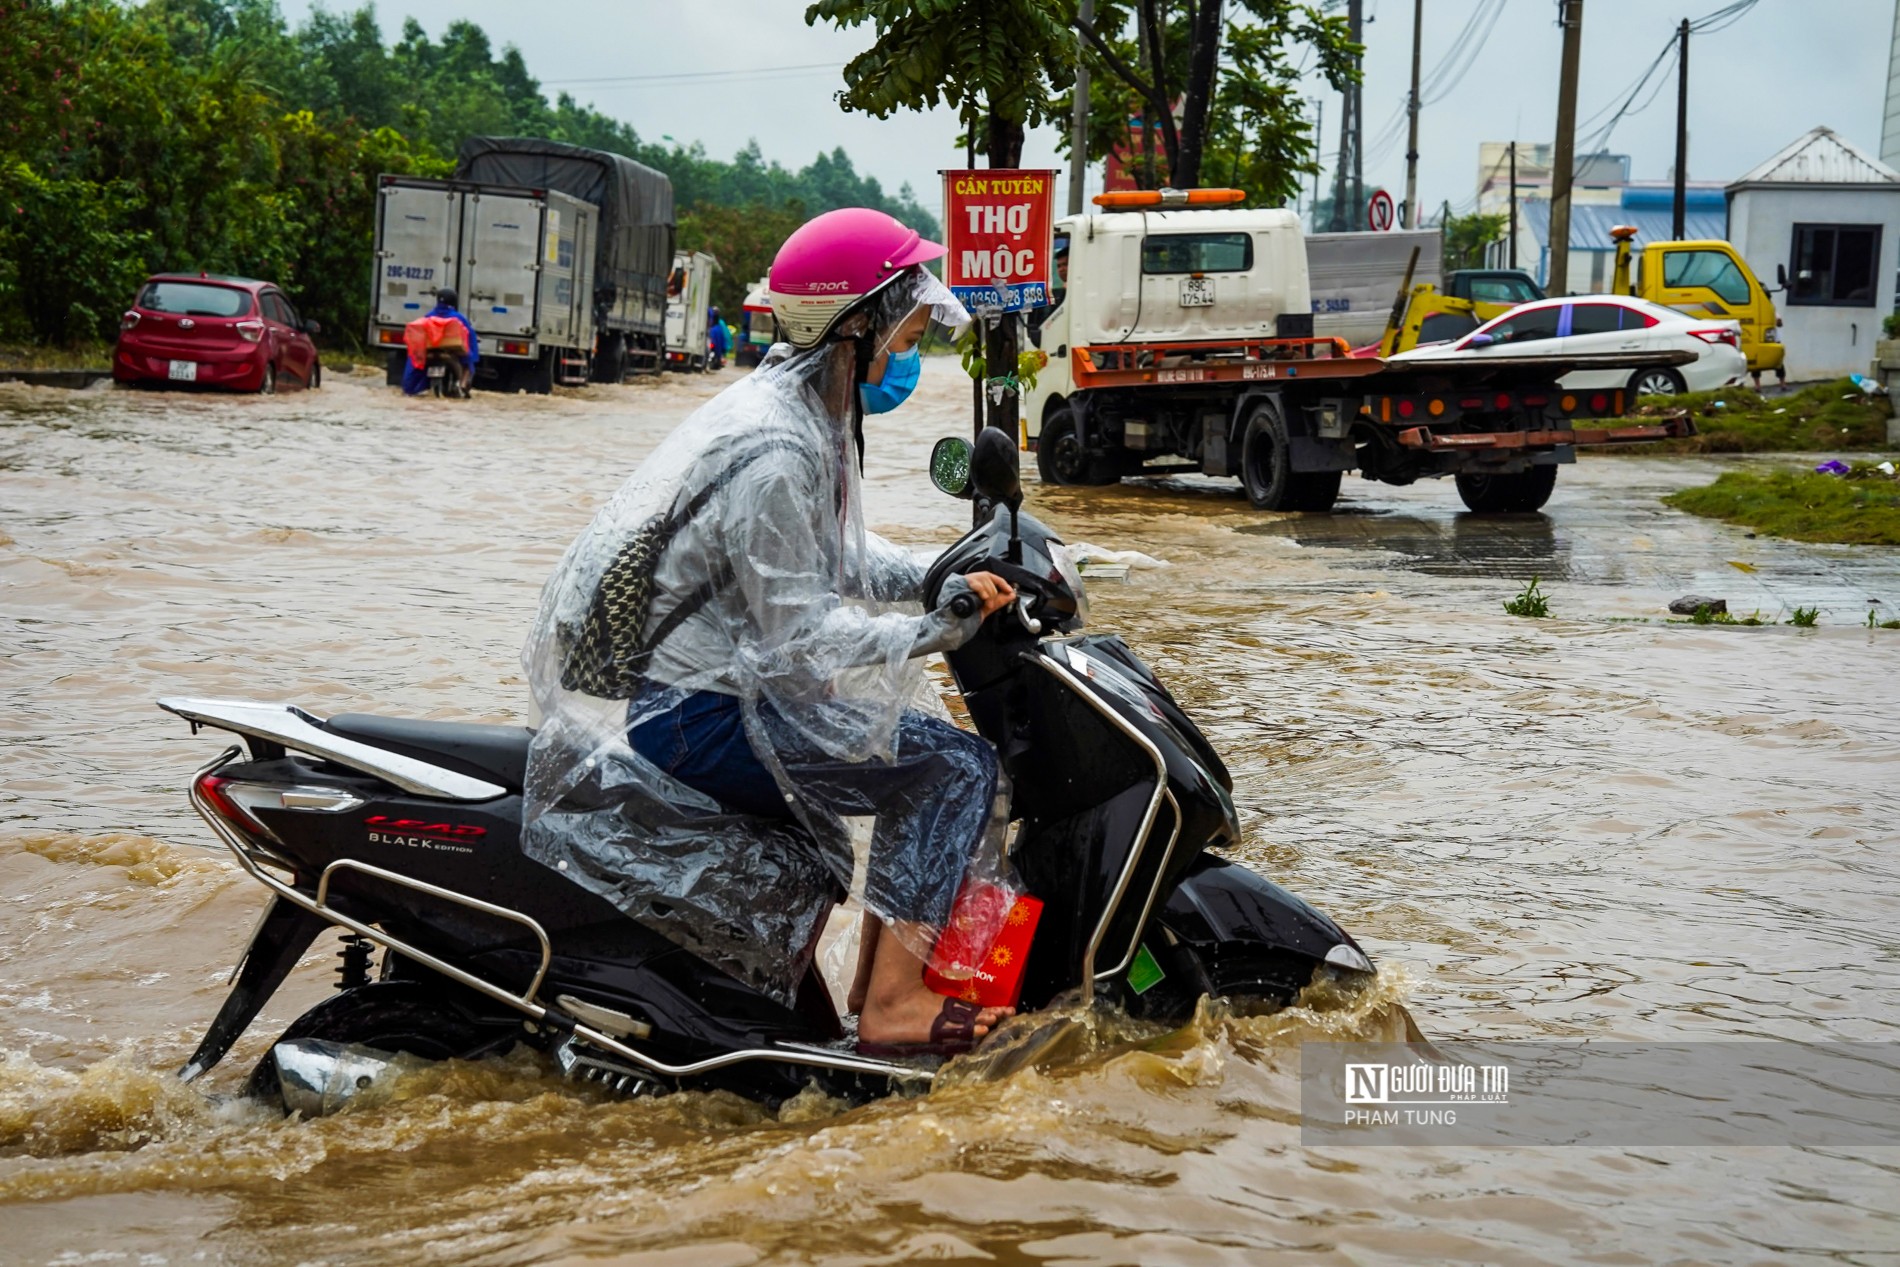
pixel 1126 198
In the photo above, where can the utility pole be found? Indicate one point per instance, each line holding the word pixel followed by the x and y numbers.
pixel 1349 188
pixel 1563 164
pixel 1079 135
pixel 1513 204
pixel 1411 141
pixel 1682 133
pixel 1319 130
pixel 1355 8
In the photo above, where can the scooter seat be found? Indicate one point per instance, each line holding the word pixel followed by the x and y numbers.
pixel 483 752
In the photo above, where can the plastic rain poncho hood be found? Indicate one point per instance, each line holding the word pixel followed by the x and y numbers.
pixel 768 587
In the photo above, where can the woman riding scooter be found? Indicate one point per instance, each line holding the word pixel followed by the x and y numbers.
pixel 724 637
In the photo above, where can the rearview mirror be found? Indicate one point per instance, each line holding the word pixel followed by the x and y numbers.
pixel 995 468
pixel 1480 341
pixel 950 466
pixel 312 327
pixel 1781 276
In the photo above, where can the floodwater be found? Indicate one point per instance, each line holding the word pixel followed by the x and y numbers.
pixel 1595 826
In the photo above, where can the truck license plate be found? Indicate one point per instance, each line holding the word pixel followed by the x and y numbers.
pixel 185 371
pixel 1197 292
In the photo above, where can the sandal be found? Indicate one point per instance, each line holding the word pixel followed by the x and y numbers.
pixel 952 1033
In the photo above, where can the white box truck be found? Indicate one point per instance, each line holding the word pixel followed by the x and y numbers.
pixel 688 296
pixel 520 260
pixel 1355 278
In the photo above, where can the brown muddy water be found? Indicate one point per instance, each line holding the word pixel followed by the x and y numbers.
pixel 1596 826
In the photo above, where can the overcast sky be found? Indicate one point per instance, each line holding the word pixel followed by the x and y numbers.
pixel 670 69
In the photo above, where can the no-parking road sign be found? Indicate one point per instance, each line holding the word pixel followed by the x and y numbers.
pixel 1381 215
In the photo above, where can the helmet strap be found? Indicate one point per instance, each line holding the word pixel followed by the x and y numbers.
pixel 862 345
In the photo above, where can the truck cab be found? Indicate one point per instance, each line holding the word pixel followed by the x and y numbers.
pixel 1708 278
pixel 1164 276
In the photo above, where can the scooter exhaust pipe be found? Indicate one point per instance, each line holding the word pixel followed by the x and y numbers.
pixel 319 1077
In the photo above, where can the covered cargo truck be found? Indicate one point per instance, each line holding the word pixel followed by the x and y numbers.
pixel 633 250
pixel 520 261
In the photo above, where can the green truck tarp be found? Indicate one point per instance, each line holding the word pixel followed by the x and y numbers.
pixel 635 246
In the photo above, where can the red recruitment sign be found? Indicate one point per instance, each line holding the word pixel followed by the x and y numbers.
pixel 999 227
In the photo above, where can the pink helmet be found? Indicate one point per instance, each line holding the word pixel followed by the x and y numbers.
pixel 834 261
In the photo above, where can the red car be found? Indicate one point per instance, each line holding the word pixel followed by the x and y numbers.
pixel 211 331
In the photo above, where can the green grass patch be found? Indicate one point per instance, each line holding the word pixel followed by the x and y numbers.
pixel 1530 601
pixel 1859 509
pixel 1821 418
pixel 1706 615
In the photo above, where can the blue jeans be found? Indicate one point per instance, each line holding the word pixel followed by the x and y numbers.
pixel 703 744
pixel 931 801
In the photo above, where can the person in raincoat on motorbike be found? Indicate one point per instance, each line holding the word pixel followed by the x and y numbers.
pixel 415 378
pixel 728 635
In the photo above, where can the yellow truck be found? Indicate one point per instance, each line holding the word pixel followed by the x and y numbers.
pixel 1708 278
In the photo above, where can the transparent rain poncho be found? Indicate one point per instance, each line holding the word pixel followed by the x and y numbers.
pixel 736 560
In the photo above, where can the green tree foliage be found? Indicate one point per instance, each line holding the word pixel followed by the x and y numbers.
pixel 997 62
pixel 1253 129
pixel 208 134
pixel 745 238
pixel 1465 238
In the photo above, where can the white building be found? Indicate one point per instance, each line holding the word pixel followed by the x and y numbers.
pixel 1826 215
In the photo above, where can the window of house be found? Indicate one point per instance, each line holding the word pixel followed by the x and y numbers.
pixel 1835 265
pixel 1714 270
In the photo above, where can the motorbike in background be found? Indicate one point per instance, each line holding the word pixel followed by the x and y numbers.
pixel 405 834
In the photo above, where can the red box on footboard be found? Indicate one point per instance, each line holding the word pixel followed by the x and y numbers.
pixel 988 974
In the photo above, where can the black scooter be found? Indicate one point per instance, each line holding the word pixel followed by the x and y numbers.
pixel 406 835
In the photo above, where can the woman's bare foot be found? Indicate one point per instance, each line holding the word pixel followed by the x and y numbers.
pixel 868 928
pixel 898 1007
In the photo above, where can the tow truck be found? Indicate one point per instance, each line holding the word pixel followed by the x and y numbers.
pixel 1184 343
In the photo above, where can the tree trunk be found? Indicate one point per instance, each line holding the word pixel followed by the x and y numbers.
pixel 1160 103
pixel 1203 62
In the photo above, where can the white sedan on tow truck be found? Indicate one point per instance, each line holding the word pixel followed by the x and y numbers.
pixel 1580 324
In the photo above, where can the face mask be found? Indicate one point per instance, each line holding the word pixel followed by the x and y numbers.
pixel 901 373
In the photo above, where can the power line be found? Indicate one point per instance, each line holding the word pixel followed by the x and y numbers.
pixel 1719 20
pixel 1446 74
